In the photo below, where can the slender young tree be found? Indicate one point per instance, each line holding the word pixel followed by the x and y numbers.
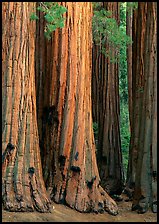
pixel 105 107
pixel 23 187
pixel 129 62
pixel 67 141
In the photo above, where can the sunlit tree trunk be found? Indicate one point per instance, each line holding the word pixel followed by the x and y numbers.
pixel 105 107
pixel 22 182
pixel 71 172
pixel 145 194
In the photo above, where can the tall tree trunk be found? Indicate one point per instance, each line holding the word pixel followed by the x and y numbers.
pixel 71 173
pixel 129 63
pixel 145 193
pixel 105 99
pixel 22 182
pixel 138 35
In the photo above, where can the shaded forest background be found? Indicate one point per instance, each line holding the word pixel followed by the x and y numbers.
pixel 79 105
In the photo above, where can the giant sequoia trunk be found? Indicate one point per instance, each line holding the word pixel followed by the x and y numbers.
pixel 105 106
pixel 142 169
pixel 22 182
pixel 138 35
pixel 67 141
pixel 145 194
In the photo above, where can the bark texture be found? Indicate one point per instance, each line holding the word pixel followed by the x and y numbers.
pixel 23 187
pixel 67 143
pixel 145 194
pixel 138 35
pixel 143 149
pixel 105 107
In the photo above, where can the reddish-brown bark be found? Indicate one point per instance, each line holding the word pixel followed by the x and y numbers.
pixel 68 148
pixel 142 168
pixel 23 187
pixel 138 35
pixel 105 106
pixel 145 193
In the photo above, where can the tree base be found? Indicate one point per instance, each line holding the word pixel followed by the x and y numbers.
pixel 22 191
pixel 85 200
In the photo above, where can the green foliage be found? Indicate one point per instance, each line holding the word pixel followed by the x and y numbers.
pixel 123 92
pixel 33 16
pixel 53 14
pixel 125 134
pixel 131 6
pixel 123 82
pixel 106 30
pixel 95 129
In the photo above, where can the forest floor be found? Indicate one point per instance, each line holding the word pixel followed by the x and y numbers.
pixel 63 213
